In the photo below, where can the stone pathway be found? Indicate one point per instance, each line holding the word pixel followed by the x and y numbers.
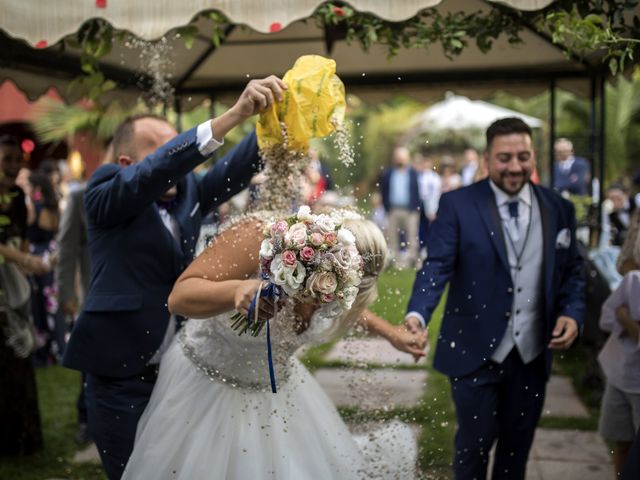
pixel 556 454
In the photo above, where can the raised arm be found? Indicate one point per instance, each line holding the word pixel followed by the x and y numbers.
pixel 219 279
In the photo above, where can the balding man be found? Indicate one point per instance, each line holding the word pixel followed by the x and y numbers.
pixel 571 173
pixel 144 212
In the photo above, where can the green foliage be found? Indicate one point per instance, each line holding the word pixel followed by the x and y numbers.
pixel 622 123
pixel 452 30
pixel 56 121
pixel 584 28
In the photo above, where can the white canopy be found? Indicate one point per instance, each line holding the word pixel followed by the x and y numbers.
pixel 205 71
pixel 49 21
pixel 460 113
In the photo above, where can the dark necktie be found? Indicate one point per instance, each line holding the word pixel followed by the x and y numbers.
pixel 513 209
pixel 513 213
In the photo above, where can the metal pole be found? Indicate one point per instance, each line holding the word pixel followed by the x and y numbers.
pixel 552 131
pixel 177 105
pixel 601 134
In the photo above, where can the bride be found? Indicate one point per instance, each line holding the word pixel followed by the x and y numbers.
pixel 213 414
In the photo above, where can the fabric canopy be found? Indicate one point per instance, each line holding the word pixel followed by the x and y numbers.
pixel 47 21
pixel 456 112
pixel 219 73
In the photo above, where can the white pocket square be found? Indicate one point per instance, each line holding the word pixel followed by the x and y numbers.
pixel 563 240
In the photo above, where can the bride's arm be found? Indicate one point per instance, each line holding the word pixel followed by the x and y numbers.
pixel 396 335
pixel 219 279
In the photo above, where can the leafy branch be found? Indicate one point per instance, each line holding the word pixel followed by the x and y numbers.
pixel 451 30
pixel 597 26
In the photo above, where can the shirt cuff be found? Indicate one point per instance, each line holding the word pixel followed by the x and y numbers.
pixel 420 317
pixel 204 138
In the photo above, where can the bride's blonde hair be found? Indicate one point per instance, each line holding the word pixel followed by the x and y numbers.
pixel 372 247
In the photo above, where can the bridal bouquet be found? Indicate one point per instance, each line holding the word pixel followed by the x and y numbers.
pixel 313 259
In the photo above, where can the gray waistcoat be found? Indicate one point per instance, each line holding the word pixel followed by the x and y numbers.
pixel 524 329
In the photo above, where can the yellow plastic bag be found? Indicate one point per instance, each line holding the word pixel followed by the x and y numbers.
pixel 312 105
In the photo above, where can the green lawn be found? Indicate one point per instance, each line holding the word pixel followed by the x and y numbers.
pixel 57 392
pixel 58 389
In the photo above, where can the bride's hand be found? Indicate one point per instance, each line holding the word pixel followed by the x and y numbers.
pixel 245 293
pixel 406 341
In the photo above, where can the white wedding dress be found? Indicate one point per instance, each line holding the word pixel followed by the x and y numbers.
pixel 212 414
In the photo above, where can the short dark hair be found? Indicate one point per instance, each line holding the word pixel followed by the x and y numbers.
pixel 122 141
pixel 48 166
pixel 9 141
pixel 506 126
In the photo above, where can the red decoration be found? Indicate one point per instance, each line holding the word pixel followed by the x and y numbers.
pixel 101 3
pixel 27 145
pixel 338 11
pixel 42 44
pixel 275 27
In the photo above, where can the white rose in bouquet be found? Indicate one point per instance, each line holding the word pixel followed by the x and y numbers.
pixel 304 214
pixel 278 270
pixel 266 249
pixel 325 223
pixel 294 277
pixel 349 296
pixel 322 282
pixel 341 257
pixel 346 237
pixel 297 235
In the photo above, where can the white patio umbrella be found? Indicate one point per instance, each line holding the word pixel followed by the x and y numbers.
pixel 456 112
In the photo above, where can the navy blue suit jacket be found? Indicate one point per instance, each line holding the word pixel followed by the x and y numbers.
pixel 414 194
pixel 574 181
pixel 135 259
pixel 465 246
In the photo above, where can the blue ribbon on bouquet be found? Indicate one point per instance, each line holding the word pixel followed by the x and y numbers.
pixel 271 291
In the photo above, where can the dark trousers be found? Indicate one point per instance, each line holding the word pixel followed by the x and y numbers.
pixel 498 402
pixel 631 469
pixel 114 406
pixel 81 402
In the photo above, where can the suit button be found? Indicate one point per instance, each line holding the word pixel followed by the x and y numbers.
pixel 517 312
pixel 517 334
pixel 509 290
pixel 507 314
pixel 519 289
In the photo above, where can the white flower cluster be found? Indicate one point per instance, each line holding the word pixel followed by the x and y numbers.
pixel 313 258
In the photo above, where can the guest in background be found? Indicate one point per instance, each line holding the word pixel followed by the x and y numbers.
pixel 401 200
pixel 620 361
pixel 451 180
pixel 378 214
pixel 571 173
pixel 317 178
pixel 619 219
pixel 470 167
pixel 42 225
pixel 429 186
pixel 19 415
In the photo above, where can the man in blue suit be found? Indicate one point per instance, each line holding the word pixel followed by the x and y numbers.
pixel 144 213
pixel 570 173
pixel 401 201
pixel 508 249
